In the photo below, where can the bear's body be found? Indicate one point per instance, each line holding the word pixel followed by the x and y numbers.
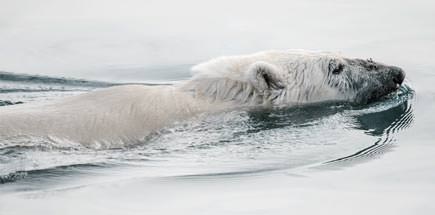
pixel 127 114
pixel 117 115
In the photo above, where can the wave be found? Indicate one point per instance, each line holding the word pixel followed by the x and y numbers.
pixel 12 79
pixel 47 80
pixel 11 177
pixel 49 172
pixel 7 102
pixel 23 88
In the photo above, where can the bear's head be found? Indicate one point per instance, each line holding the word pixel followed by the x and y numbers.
pixel 293 77
pixel 363 81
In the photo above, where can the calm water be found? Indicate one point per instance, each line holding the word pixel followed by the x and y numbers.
pixel 343 159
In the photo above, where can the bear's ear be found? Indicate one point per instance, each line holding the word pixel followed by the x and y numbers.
pixel 264 76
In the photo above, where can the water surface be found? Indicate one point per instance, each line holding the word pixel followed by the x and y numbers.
pixel 339 158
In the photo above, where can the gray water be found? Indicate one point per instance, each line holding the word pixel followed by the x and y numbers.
pixel 321 158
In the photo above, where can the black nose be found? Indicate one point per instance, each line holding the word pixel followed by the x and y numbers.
pixel 398 75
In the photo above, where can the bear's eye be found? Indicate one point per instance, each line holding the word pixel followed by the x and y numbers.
pixel 337 70
pixel 373 67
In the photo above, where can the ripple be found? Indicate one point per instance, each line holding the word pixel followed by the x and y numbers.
pixel 7 102
pixel 390 121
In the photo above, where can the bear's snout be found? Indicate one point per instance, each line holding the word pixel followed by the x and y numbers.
pixel 398 75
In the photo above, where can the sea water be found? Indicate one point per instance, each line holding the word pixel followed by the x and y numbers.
pixel 320 158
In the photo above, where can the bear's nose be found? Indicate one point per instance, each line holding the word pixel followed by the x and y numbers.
pixel 398 75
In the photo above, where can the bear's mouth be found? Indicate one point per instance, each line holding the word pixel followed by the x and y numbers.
pixel 380 93
pixel 390 81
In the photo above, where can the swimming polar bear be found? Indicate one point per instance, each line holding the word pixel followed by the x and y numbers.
pixel 127 114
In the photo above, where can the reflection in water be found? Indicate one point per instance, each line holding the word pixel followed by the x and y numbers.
pixel 384 125
pixel 300 116
pixel 380 123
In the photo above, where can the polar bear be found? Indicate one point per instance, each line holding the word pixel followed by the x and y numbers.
pixel 127 114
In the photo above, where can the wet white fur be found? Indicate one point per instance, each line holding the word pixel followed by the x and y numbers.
pixel 303 74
